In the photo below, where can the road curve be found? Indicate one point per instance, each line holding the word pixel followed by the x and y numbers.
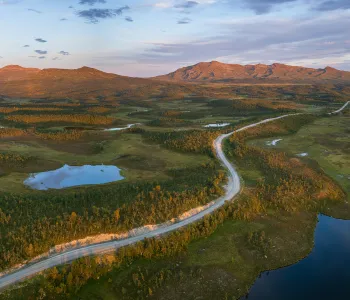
pixel 340 109
pixel 231 190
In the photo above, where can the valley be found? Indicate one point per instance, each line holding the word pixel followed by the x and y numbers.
pixel 174 173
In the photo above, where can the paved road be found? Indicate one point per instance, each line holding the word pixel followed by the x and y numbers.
pixel 231 190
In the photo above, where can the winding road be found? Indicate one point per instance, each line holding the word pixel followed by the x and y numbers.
pixel 232 189
pixel 340 109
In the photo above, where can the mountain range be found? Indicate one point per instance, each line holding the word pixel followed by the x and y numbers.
pixel 89 83
pixel 215 72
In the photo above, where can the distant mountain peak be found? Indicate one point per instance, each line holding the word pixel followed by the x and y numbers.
pixel 16 68
pixel 215 71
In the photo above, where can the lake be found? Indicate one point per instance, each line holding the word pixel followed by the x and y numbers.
pixel 69 176
pixel 324 274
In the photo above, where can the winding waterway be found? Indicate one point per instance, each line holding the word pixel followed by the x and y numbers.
pixel 324 274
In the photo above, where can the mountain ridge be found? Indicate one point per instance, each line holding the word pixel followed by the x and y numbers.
pixel 215 71
pixel 89 83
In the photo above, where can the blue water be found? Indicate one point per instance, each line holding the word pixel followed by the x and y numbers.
pixel 69 176
pixel 324 274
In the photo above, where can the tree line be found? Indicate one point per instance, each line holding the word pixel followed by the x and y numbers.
pixel 68 118
pixel 33 222
pixel 287 185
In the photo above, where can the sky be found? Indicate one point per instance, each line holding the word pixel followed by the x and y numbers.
pixel 145 38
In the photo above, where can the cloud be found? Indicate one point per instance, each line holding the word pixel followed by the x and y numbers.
pixel 9 2
pixel 34 10
pixel 56 58
pixel 333 5
pixel 258 39
pixel 41 51
pixel 184 21
pixel 64 53
pixel 26 46
pixel 40 40
pixel 264 6
pixel 164 4
pixel 63 19
pixel 120 10
pixel 94 15
pixel 186 4
pixel 129 19
pixel 91 2
pixel 41 57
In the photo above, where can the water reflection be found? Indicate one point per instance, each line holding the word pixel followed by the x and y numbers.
pixel 324 274
pixel 69 176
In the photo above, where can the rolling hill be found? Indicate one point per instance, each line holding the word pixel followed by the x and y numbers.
pixel 82 83
pixel 91 84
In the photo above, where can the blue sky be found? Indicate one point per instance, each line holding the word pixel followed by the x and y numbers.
pixel 152 37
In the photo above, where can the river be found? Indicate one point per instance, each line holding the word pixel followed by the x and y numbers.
pixel 324 274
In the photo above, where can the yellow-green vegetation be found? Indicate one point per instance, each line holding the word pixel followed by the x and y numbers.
pixel 327 141
pixel 65 135
pixel 7 110
pixel 270 225
pixel 138 159
pixel 98 110
pixel 73 118
pixel 31 223
pixel 12 132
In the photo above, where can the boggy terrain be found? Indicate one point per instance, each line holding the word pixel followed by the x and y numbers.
pixel 285 194
pixel 167 159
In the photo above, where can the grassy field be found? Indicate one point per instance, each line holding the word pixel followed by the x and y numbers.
pixel 137 159
pixel 326 141
pixel 223 265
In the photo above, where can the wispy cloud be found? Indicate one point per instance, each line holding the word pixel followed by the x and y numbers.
pixel 129 19
pixel 184 21
pixel 41 51
pixel 34 10
pixel 64 53
pixel 9 2
pixel 40 40
pixel 263 6
pixel 333 5
pixel 91 2
pixel 26 46
pixel 94 15
pixel 186 4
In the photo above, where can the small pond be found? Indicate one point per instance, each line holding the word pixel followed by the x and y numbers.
pixel 217 125
pixel 324 274
pixel 273 143
pixel 69 176
pixel 304 154
pixel 120 128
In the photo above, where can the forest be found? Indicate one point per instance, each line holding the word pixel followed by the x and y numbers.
pixel 30 224
pixel 67 118
pixel 287 185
